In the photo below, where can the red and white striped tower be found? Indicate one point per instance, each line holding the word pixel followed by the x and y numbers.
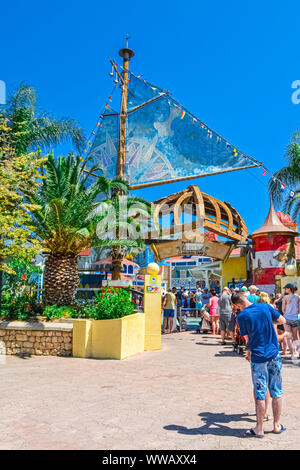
pixel 271 243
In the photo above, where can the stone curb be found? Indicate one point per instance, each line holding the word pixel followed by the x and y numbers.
pixel 22 325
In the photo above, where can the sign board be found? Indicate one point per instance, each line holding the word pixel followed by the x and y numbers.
pixel 153 289
pixel 208 248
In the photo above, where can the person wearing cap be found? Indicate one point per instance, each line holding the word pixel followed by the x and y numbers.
pixel 225 312
pixel 291 310
pixel 245 291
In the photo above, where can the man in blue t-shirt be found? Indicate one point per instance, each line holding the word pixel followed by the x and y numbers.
pixel 205 296
pixel 256 325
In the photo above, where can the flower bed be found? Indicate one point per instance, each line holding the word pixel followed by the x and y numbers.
pixel 109 304
pixel 106 327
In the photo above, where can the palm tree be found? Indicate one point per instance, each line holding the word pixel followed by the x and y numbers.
pixel 289 174
pixel 72 219
pixel 32 128
pixel 120 220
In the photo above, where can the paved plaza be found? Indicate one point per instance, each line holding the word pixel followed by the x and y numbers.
pixel 193 394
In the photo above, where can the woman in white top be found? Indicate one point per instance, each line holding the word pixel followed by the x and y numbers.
pixel 291 310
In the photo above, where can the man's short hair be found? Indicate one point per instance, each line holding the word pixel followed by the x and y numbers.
pixel 238 298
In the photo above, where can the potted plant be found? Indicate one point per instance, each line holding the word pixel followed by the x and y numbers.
pixel 113 328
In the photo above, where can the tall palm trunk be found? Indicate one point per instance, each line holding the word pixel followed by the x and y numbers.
pixel 61 279
pixel 117 263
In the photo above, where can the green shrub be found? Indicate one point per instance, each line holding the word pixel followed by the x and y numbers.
pixel 16 307
pixel 78 313
pixel 112 303
pixel 53 312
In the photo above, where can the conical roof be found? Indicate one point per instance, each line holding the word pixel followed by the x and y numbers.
pixel 272 224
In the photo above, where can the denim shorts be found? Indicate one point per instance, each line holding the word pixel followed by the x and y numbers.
pixel 267 375
pixel 169 313
pixel 292 323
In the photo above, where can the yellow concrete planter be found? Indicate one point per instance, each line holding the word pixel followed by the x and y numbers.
pixel 116 339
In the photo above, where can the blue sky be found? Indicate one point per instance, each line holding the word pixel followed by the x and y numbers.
pixel 231 63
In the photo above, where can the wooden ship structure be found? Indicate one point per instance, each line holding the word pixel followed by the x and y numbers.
pixel 168 156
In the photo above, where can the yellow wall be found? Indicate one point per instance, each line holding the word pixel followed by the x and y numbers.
pixel 116 338
pixel 234 267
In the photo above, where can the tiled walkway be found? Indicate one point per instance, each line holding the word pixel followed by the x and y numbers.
pixel 193 394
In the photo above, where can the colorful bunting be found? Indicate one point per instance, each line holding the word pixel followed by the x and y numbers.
pixel 264 171
pixel 182 114
pixel 282 186
pixel 291 195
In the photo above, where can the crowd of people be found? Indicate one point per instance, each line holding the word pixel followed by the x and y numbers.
pixel 220 315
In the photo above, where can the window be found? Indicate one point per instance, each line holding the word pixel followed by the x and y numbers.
pixel 130 270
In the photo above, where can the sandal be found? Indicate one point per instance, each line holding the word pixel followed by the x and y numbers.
pixel 252 433
pixel 282 428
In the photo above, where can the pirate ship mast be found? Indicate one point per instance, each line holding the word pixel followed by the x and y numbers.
pixel 237 232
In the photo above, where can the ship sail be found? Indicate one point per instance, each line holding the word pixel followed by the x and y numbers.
pixel 165 142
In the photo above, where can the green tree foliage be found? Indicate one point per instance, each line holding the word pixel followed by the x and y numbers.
pixel 70 218
pixel 290 176
pixel 18 175
pixel 33 128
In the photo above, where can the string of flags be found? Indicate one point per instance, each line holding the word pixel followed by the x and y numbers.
pixel 283 187
pixel 98 124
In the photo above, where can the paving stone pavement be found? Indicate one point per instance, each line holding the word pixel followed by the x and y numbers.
pixel 193 394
